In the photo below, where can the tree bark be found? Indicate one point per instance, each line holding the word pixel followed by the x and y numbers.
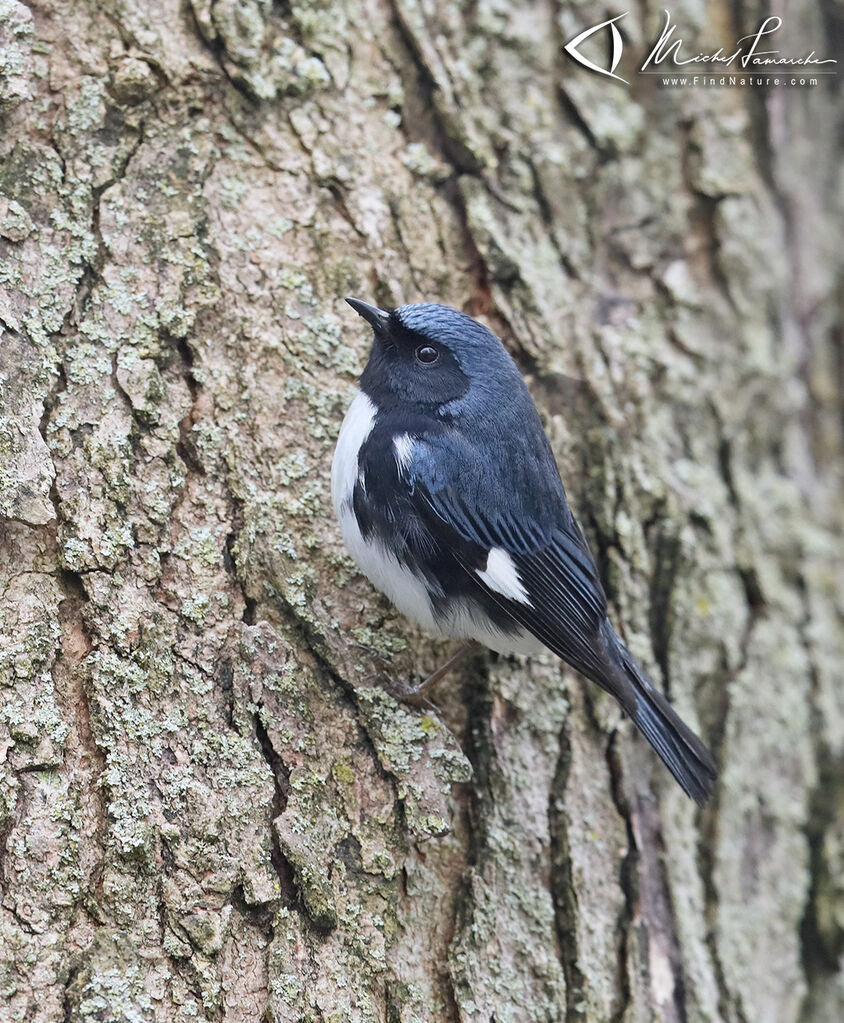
pixel 210 808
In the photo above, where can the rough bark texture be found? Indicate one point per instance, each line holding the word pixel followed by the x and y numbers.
pixel 209 807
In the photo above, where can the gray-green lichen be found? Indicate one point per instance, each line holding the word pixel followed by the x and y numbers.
pixel 26 468
pixel 210 807
pixel 16 42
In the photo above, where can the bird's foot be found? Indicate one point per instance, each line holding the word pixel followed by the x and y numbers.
pixel 418 696
pixel 402 692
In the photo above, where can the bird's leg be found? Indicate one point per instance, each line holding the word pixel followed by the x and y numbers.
pixel 418 695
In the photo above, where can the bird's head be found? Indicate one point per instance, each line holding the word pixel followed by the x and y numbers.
pixel 428 356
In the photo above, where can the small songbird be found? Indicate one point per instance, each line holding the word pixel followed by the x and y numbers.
pixel 450 501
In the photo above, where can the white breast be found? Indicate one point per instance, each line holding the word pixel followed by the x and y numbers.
pixel 357 426
pixel 405 590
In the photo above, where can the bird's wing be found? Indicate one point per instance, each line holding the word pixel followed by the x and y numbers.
pixel 524 548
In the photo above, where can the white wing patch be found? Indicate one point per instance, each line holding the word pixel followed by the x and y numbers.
pixel 502 576
pixel 403 446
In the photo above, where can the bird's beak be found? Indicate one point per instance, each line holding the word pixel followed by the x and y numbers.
pixel 378 318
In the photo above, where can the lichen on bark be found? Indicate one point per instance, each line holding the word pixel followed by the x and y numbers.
pixel 210 806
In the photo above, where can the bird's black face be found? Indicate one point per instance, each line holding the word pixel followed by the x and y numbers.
pixel 409 366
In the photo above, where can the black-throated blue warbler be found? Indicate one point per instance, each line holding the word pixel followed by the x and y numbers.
pixel 450 501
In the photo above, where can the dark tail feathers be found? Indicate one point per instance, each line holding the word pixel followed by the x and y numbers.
pixel 678 747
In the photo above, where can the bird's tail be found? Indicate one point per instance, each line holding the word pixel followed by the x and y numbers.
pixel 678 747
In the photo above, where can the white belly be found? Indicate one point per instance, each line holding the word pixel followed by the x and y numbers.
pixel 408 592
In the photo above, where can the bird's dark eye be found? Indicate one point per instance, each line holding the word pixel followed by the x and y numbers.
pixel 427 354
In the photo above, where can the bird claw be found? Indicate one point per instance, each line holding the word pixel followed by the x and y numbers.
pixel 402 692
pixel 416 696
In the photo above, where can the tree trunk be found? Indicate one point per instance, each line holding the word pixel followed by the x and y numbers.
pixel 211 808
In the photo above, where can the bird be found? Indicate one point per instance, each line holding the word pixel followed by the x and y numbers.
pixel 450 501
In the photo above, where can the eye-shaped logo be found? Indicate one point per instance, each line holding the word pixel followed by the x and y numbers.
pixel 572 51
